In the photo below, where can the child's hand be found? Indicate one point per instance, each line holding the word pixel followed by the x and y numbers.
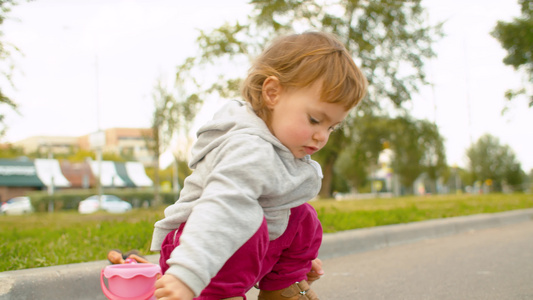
pixel 171 288
pixel 316 271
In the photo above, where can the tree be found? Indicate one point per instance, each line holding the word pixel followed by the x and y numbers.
pixel 7 66
pixel 418 148
pixel 530 181
pixel 417 145
pixel 170 117
pixel 389 40
pixel 81 156
pixel 111 156
pixel 517 37
pixel 163 126
pixel 9 151
pixel 358 161
pixel 489 160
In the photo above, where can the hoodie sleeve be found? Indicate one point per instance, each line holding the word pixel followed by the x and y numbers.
pixel 227 213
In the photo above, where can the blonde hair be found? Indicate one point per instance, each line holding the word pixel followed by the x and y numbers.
pixel 298 61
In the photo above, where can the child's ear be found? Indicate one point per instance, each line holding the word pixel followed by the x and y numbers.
pixel 271 91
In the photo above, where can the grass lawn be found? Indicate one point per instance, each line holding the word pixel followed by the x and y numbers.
pixel 43 239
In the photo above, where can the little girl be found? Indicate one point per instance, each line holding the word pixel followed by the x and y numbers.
pixel 242 217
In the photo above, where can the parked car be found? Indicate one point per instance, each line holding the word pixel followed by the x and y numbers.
pixel 110 203
pixel 17 206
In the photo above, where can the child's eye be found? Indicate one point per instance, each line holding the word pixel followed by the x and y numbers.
pixel 313 120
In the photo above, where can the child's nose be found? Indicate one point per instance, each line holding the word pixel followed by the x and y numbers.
pixel 321 136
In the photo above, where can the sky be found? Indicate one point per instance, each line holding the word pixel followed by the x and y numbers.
pixel 93 64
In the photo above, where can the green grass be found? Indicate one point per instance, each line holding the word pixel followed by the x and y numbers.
pixel 338 216
pixel 43 239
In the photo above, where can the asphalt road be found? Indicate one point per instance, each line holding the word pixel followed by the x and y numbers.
pixel 494 263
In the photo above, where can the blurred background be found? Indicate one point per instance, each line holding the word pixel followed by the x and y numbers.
pixel 90 87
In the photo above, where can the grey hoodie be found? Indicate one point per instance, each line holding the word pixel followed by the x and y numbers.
pixel 241 173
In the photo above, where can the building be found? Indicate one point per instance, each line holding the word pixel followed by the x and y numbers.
pixel 20 176
pixel 113 175
pixel 49 144
pixel 126 142
pixel 129 143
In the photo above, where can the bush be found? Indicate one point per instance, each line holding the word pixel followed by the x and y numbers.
pixel 70 199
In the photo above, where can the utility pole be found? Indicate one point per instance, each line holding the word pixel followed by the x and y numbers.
pixel 100 135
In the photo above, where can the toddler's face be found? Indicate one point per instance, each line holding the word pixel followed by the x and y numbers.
pixel 302 122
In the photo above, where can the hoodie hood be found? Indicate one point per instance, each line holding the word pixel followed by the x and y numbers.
pixel 224 125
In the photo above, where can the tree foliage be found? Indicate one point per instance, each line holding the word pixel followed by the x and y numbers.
pixel 82 155
pixel 389 40
pixel 489 160
pixel 417 146
pixel 174 112
pixel 530 181
pixel 9 152
pixel 163 127
pixel 360 157
pixel 517 38
pixel 6 63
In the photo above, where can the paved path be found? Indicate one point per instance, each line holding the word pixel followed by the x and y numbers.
pixel 494 263
pixel 486 264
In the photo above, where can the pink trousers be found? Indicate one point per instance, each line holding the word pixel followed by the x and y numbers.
pixel 273 265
